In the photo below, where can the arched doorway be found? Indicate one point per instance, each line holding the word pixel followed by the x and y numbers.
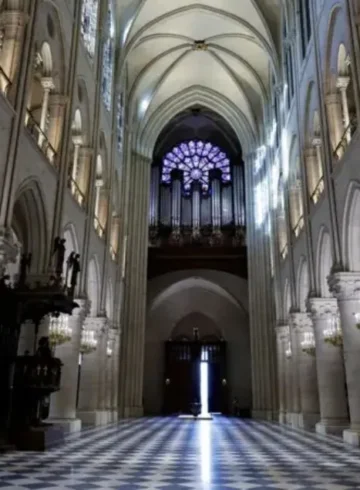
pixel 212 307
pixel 195 366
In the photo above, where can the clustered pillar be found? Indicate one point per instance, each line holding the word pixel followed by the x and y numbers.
pixel 133 333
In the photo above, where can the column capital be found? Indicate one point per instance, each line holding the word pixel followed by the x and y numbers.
pixel 345 285
pixel 47 83
pixel 317 142
pixel 301 322
pixel 342 82
pixel 322 308
pixel 282 333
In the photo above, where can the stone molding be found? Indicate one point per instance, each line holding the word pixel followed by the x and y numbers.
pixel 282 333
pixel 301 322
pixel 322 308
pixel 345 285
pixel 99 325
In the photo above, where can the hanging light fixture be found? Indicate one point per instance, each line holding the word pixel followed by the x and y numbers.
pixel 109 348
pixel 357 320
pixel 308 343
pixel 288 351
pixel 333 333
pixel 59 330
pixel 88 342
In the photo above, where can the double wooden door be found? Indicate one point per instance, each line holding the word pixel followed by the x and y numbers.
pixel 182 381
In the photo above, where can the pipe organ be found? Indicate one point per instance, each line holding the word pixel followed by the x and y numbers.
pixel 216 209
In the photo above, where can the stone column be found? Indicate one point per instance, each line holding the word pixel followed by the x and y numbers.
pixel 91 391
pixel 295 359
pixel 308 402
pixel 114 238
pixel 282 339
pixel 333 106
pixel 103 207
pixel 115 375
pixel 84 163
pixel 346 287
pixel 342 84
pixel 47 85
pixel 109 372
pixel 12 23
pixel 63 403
pixel 57 105
pixel 102 366
pixel 330 370
pixel 132 345
pixel 289 380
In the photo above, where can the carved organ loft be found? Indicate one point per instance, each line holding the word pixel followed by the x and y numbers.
pixel 197 197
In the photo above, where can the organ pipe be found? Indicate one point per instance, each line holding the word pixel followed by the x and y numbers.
pixel 186 218
pixel 226 205
pixel 176 179
pixel 154 195
pixel 196 193
pixel 239 195
pixel 205 211
pixel 215 177
pixel 165 205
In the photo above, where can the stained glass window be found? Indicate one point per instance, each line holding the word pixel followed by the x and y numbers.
pixel 196 159
pixel 89 18
pixel 108 58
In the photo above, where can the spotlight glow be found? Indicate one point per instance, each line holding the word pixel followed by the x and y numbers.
pixel 204 388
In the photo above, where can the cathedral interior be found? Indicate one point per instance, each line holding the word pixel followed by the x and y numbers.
pixel 179 244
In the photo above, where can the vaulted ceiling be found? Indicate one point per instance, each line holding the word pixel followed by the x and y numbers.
pixel 220 50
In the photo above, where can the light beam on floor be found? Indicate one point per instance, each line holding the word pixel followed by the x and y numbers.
pixel 204 388
pixel 205 451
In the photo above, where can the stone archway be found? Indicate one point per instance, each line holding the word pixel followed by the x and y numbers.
pixel 178 299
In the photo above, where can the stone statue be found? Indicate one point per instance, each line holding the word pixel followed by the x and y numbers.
pixel 59 252
pixel 44 349
pixel 75 272
pixel 25 264
pixel 69 266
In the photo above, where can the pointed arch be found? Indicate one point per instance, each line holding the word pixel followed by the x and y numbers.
pixel 30 222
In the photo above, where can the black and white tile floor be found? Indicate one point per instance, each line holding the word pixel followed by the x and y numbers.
pixel 170 454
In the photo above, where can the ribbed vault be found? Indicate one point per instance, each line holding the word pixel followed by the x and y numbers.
pixel 178 52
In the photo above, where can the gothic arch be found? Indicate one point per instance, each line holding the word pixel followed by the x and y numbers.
pixel 324 262
pixel 287 299
pixel 335 38
pixel 30 224
pixel 93 285
pixel 351 228
pixel 49 30
pixel 302 281
pixel 109 303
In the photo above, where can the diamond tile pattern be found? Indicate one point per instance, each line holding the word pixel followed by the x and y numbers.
pixel 173 454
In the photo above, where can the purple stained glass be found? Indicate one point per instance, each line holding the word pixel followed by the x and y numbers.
pixel 195 159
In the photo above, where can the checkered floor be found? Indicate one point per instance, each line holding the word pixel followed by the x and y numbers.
pixel 169 454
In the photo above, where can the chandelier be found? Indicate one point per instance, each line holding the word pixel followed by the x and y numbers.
pixel 333 333
pixel 109 348
pixel 88 342
pixel 59 330
pixel 308 343
pixel 288 351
